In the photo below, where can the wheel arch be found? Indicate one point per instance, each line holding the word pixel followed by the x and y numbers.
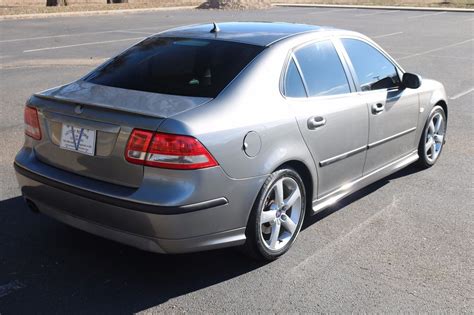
pixel 303 170
pixel 443 105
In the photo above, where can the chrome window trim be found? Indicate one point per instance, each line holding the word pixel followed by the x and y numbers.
pixel 291 55
pixel 372 44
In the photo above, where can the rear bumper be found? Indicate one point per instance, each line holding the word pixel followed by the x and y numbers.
pixel 115 214
pixel 123 203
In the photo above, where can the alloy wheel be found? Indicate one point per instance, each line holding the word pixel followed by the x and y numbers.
pixel 281 214
pixel 434 137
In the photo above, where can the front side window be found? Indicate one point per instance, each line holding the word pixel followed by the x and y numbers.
pixel 322 69
pixel 178 66
pixel 293 84
pixel 372 68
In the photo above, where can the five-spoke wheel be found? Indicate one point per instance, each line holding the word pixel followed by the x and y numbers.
pixel 432 139
pixel 277 215
pixel 281 214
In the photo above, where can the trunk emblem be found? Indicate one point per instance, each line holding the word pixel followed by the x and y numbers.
pixel 78 109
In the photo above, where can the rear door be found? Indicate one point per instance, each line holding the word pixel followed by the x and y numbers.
pixel 332 118
pixel 393 110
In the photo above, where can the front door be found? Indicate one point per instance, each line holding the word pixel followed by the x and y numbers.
pixel 332 119
pixel 393 110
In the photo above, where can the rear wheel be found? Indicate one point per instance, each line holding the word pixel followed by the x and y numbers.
pixel 277 215
pixel 432 139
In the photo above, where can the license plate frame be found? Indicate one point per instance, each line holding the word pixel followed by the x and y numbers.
pixel 78 139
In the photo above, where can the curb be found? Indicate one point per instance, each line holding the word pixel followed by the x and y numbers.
pixel 88 13
pixel 374 7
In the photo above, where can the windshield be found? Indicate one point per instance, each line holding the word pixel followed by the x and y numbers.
pixel 178 66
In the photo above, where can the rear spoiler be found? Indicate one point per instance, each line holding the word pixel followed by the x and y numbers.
pixel 137 102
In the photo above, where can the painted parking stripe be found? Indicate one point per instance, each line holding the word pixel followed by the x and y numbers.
pixel 136 32
pixel 84 44
pixel 377 13
pixel 425 15
pixel 331 11
pixel 459 95
pixel 436 49
pixel 54 36
pixel 387 35
pixel 156 28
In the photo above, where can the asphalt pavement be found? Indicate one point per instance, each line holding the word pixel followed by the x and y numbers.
pixel 403 244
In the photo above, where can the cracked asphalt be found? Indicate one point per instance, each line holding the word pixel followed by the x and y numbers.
pixel 403 244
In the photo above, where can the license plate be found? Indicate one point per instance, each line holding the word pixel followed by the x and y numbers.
pixel 78 139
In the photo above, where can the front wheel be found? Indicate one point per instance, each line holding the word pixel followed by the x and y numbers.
pixel 432 138
pixel 277 215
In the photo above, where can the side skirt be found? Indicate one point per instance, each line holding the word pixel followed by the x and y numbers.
pixel 347 189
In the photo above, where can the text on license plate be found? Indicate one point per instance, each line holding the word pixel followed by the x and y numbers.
pixel 78 139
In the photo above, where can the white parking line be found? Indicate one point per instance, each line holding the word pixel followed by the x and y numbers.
pixel 136 32
pixel 54 36
pixel 386 35
pixel 436 49
pixel 86 33
pixel 459 95
pixel 377 13
pixel 84 44
pixel 330 11
pixel 424 15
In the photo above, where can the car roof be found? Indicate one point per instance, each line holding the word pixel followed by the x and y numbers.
pixel 254 33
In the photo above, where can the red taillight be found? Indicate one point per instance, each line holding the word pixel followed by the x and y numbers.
pixel 137 146
pixel 32 126
pixel 167 151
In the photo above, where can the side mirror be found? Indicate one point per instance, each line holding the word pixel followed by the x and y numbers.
pixel 411 81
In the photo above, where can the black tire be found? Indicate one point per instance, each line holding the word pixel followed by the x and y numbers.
pixel 254 246
pixel 424 161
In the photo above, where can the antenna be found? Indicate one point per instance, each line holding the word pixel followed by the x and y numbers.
pixel 215 28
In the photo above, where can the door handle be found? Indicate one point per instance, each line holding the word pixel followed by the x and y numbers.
pixel 315 122
pixel 377 108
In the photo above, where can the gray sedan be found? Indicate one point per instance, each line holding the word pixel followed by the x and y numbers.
pixel 227 134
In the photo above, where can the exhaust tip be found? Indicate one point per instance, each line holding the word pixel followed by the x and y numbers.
pixel 31 205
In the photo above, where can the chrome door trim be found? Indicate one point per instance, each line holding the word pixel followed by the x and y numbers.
pixel 346 189
pixel 342 156
pixel 363 148
pixel 392 137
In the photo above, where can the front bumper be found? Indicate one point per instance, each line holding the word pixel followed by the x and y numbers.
pixel 114 213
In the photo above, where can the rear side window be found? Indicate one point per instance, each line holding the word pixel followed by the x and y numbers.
pixel 372 68
pixel 322 69
pixel 178 66
pixel 293 84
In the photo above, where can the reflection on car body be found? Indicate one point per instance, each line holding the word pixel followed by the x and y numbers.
pixel 210 136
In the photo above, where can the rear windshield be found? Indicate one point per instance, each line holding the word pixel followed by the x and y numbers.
pixel 178 66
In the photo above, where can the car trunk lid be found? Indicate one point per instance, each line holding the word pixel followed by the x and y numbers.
pixel 109 114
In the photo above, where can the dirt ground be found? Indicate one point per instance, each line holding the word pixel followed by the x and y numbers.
pixel 12 10
pixel 417 3
pixel 223 4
